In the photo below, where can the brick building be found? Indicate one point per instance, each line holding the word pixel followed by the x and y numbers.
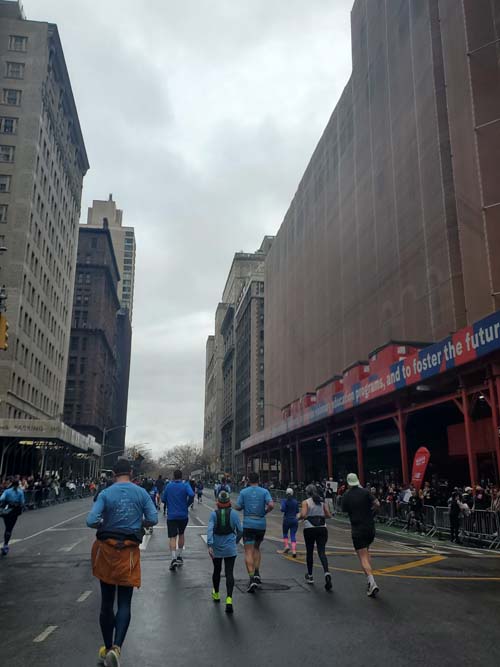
pixel 93 403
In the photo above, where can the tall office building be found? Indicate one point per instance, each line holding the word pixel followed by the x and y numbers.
pixel 97 385
pixel 42 165
pixel 224 400
pixel 123 243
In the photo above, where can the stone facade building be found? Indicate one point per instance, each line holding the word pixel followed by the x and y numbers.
pixel 123 244
pixel 42 165
pixel 222 365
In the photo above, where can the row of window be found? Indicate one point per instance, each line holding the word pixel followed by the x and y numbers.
pixel 11 97
pixel 14 70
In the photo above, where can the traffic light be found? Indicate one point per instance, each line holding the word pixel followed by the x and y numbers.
pixel 4 332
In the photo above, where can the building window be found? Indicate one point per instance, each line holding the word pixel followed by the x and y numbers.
pixel 17 43
pixel 11 97
pixel 127 262
pixel 4 183
pixel 7 153
pixel 3 212
pixel 8 125
pixel 128 254
pixel 15 71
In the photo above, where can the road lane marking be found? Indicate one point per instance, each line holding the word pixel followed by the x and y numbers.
pixel 43 635
pixel 410 566
pixel 399 576
pixel 204 538
pixel 70 547
pixel 84 596
pixel 56 525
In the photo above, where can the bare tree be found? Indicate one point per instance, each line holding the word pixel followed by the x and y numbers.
pixel 183 457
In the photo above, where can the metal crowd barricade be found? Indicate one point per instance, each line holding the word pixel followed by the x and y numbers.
pixel 482 526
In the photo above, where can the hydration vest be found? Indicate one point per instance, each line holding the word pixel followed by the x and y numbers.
pixel 223 521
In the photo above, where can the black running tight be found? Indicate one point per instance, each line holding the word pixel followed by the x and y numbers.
pixel 115 623
pixel 229 571
pixel 318 536
pixel 10 521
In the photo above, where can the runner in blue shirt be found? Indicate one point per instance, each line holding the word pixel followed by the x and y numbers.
pixel 177 496
pixel 12 501
pixel 255 502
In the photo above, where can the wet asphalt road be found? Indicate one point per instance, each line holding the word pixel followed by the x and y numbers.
pixel 438 605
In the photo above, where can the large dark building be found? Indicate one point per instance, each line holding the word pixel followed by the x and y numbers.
pixel 97 382
pixel 392 235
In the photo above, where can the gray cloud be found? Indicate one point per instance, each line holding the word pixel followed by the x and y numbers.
pixel 200 118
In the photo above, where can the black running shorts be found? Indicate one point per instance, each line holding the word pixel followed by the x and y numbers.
pixel 253 536
pixel 176 527
pixel 362 538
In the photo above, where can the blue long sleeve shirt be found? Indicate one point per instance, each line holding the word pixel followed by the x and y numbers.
pixel 224 546
pixel 13 496
pixel 121 508
pixel 176 495
pixel 290 508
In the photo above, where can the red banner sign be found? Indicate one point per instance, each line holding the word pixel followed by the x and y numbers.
pixel 420 462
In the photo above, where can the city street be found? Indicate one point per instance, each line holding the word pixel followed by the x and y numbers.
pixel 437 604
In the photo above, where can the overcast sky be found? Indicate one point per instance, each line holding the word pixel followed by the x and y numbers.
pixel 200 117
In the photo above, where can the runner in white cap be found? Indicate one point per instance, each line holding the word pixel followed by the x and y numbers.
pixel 360 505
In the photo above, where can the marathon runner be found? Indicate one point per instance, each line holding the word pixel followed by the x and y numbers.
pixel 290 509
pixel 314 512
pixel 12 504
pixel 160 485
pixel 255 502
pixel 120 513
pixel 224 532
pixel 199 491
pixel 177 496
pixel 360 505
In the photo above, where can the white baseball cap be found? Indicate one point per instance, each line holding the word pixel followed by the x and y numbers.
pixel 352 479
pixel 289 492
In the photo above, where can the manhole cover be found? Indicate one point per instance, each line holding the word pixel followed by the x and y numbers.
pixel 269 586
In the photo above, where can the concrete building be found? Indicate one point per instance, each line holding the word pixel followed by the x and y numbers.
pixel 42 165
pixel 249 399
pixel 94 393
pixel 214 391
pixel 222 364
pixel 392 236
pixel 123 244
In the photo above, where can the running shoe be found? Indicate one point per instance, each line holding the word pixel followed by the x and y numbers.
pixel 309 578
pixel 252 585
pixel 372 590
pixel 5 550
pixel 215 596
pixel 112 658
pixel 294 554
pixel 328 581
pixel 173 565
pixel 257 579
pixel 180 561
pixel 102 655
pixel 286 550
pixel 229 605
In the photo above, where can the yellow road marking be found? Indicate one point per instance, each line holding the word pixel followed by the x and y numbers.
pixel 400 576
pixel 410 566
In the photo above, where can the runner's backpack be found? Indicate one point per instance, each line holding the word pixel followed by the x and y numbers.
pixel 223 521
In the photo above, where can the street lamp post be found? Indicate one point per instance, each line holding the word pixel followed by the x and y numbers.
pixel 105 431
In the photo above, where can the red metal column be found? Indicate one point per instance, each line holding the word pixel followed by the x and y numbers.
pixel 299 462
pixel 468 439
pixel 401 424
pixel 494 419
pixel 359 451
pixel 329 456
